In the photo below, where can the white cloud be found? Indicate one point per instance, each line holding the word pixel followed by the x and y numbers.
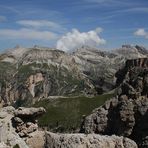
pixel 75 39
pixel 25 33
pixel 108 3
pixel 98 1
pixel 141 32
pixel 43 30
pixel 38 23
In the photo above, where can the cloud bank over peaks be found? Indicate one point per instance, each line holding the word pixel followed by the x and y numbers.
pixel 76 39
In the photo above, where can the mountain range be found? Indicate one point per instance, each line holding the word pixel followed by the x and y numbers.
pixel 31 74
pixel 59 89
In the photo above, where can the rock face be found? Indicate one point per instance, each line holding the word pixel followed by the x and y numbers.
pixel 19 127
pixel 24 120
pixel 32 82
pixel 23 112
pixel 127 114
pixel 18 131
pixel 30 74
pixel 36 140
pixel 8 136
pixel 87 141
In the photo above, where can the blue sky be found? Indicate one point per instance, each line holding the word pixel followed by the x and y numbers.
pixel 56 23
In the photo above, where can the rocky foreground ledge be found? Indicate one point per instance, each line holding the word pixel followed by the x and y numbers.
pixel 87 141
pixel 18 128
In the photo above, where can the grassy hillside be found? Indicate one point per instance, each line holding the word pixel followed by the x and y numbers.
pixel 65 114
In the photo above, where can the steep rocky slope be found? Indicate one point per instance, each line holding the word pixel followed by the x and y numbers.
pixel 127 113
pixel 39 73
pixel 30 74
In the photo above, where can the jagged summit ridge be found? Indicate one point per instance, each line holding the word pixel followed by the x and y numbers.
pixel 130 51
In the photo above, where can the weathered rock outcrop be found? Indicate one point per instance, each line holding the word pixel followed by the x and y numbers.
pixel 127 114
pixel 19 127
pixel 8 135
pixel 25 120
pixel 32 113
pixel 87 141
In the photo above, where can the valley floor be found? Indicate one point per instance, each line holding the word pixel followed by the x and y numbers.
pixel 66 114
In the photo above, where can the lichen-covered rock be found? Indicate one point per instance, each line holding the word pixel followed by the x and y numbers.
pixel 87 141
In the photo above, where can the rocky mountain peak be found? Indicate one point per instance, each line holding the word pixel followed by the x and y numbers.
pixel 141 49
pixel 18 51
pixel 130 51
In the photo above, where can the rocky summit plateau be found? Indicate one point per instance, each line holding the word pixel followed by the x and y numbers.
pixel 43 91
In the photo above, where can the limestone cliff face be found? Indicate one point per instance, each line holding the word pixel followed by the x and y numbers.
pixel 141 62
pixel 127 113
pixel 32 81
